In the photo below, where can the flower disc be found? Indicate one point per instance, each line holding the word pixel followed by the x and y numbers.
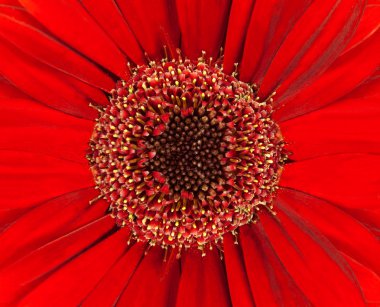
pixel 185 153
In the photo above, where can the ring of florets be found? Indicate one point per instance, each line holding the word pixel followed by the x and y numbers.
pixel 185 153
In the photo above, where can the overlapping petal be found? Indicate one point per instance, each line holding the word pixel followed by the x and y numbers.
pixel 349 180
pixel 154 24
pixel 29 178
pixel 50 132
pixel 348 72
pixel 95 261
pixel 43 83
pixel 236 271
pixel 36 268
pixel 270 282
pixel 28 36
pixel 203 281
pixel 348 126
pixel 48 221
pixel 313 263
pixel 315 41
pixel 69 21
pixel 208 33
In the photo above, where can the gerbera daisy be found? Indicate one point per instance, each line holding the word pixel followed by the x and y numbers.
pixel 189 153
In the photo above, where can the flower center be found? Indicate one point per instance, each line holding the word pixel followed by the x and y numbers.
pixel 189 153
pixel 185 153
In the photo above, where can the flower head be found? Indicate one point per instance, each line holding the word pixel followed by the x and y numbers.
pixel 175 120
pixel 185 153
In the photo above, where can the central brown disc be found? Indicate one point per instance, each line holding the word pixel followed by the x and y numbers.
pixel 189 153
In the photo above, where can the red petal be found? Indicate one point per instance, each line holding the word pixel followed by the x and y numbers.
pixel 367 90
pixel 335 129
pixel 30 127
pixel 42 83
pixel 369 217
pixel 369 281
pixel 109 17
pixel 162 284
pixel 203 281
pixel 70 22
pixel 240 15
pixel 350 180
pixel 341 78
pixel 154 24
pixel 7 216
pixel 236 274
pixel 19 13
pixel 203 26
pixel 313 263
pixel 49 51
pixel 47 222
pixel 314 43
pixel 80 275
pixel 347 234
pixel 369 24
pixel 94 95
pixel 271 284
pixel 28 179
pixel 10 2
pixel 7 90
pixel 108 291
pixel 269 26
pixel 33 269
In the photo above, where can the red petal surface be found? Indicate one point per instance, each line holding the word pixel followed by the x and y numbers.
pixel 27 126
pixel 269 26
pixel 369 217
pixel 367 90
pixel 236 274
pixel 10 2
pixel 28 178
pixel 369 281
pixel 240 15
pixel 7 90
pixel 315 41
pixel 348 126
pixel 47 222
pixel 203 281
pixel 94 95
pixel 33 269
pixel 17 12
pixel 49 51
pixel 109 289
pixel 340 79
pixel 154 24
pixel 349 180
pixel 151 274
pixel 369 24
pixel 203 26
pixel 270 283
pixel 346 233
pixel 109 17
pixel 7 216
pixel 70 22
pixel 312 262
pixel 42 83
pixel 95 262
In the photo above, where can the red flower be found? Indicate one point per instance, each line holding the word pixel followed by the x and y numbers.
pixel 322 246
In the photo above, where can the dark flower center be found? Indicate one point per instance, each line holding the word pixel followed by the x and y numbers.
pixel 185 153
pixel 189 153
